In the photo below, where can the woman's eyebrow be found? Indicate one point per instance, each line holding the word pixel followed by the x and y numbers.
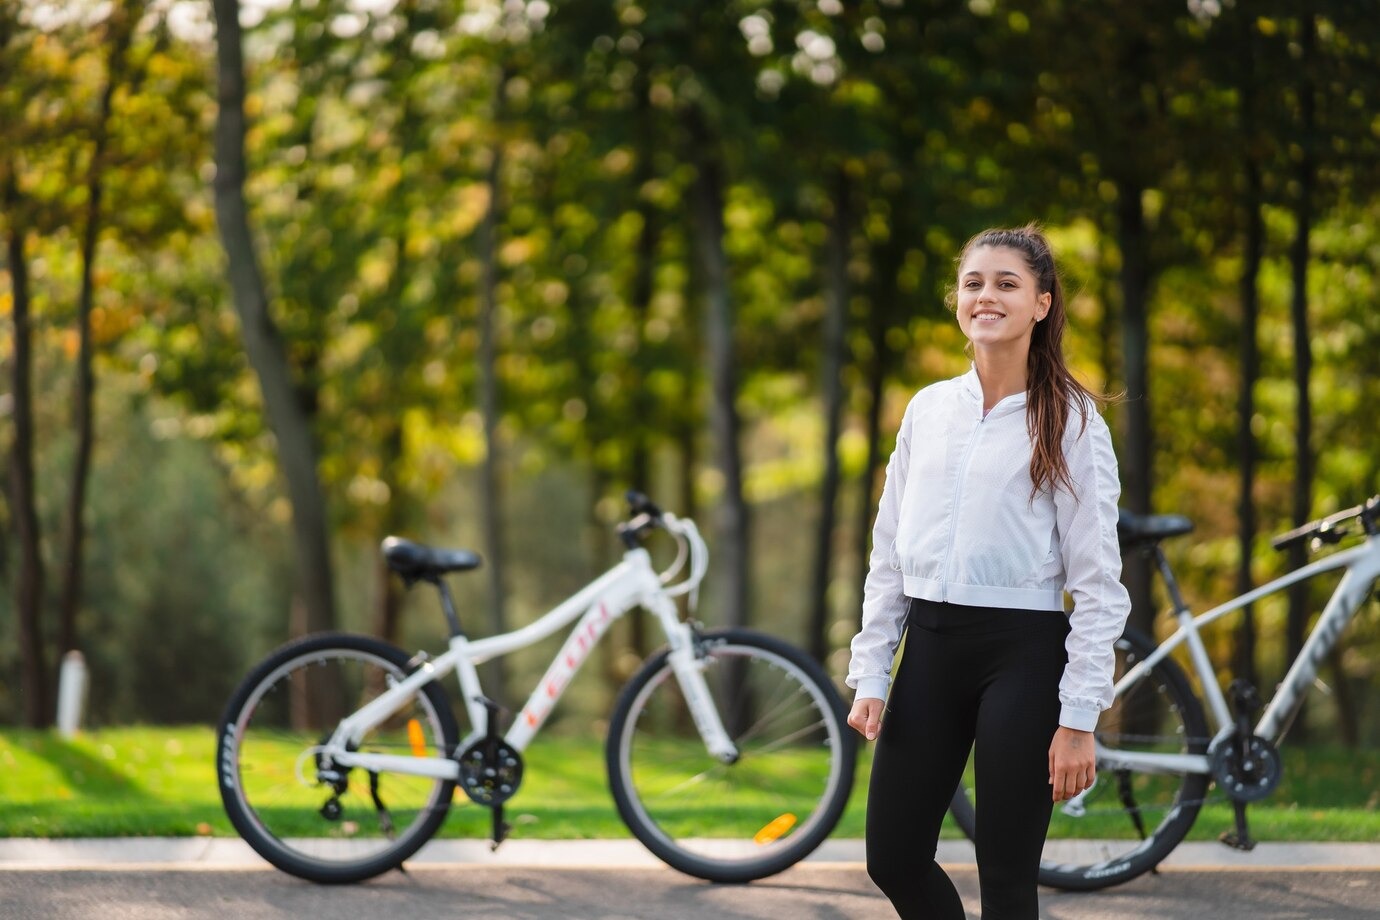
pixel 1000 272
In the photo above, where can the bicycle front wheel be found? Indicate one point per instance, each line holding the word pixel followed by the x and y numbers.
pixel 1130 820
pixel 771 807
pixel 305 822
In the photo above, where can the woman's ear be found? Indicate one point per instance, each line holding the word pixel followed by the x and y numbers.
pixel 1042 305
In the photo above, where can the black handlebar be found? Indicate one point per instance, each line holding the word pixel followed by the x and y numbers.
pixel 1333 528
pixel 641 504
pixel 646 517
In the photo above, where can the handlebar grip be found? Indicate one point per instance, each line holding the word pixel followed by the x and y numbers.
pixel 641 504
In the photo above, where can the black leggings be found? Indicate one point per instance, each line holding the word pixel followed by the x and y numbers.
pixel 969 676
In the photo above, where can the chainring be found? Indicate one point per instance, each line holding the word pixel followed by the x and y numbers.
pixel 490 771
pixel 1248 769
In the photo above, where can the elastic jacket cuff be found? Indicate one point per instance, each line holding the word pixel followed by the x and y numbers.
pixel 1085 720
pixel 872 688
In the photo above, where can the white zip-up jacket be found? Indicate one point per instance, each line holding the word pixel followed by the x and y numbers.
pixel 956 523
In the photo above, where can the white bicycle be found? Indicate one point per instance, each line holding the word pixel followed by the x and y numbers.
pixel 728 752
pixel 1156 754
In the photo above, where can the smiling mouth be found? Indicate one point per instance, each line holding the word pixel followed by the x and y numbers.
pixel 989 317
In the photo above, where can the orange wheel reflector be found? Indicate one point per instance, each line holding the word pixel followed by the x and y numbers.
pixel 775 829
pixel 415 738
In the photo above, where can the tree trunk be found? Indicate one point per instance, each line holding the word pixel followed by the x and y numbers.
pixel 732 531
pixel 643 406
pixel 1102 288
pixel 643 289
pixel 1245 438
pixel 491 494
pixel 831 389
pixel 28 581
pixel 74 532
pixel 1306 175
pixel 884 293
pixel 1246 450
pixel 288 418
pixel 388 596
pixel 1137 458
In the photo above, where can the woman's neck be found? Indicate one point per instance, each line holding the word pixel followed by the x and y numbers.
pixel 1001 375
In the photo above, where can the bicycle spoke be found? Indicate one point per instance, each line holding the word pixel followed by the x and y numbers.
pixel 357 822
pixel 733 821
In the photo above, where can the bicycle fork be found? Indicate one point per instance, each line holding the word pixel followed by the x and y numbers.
pixel 687 657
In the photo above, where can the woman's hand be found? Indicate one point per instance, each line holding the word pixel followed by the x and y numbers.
pixel 1072 762
pixel 866 717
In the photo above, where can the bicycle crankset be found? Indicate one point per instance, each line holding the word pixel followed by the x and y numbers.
pixel 490 771
pixel 1246 768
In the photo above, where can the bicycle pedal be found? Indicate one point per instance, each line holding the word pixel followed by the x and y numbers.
pixel 1230 838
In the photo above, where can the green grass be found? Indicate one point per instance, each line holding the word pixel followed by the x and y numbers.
pixel 161 782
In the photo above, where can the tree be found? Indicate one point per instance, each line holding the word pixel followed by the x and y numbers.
pixel 119 31
pixel 16 42
pixel 833 345
pixel 1253 245
pixel 289 419
pixel 28 585
pixel 492 493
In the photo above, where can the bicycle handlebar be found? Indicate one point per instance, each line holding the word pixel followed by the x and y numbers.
pixel 641 504
pixel 646 517
pixel 1332 528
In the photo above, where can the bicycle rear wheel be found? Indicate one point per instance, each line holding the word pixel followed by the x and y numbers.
pixel 363 824
pixel 771 807
pixel 1130 820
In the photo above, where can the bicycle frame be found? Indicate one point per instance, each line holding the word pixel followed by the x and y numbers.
pixel 1362 564
pixel 631 583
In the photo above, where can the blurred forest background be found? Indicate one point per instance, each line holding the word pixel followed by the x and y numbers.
pixel 280 278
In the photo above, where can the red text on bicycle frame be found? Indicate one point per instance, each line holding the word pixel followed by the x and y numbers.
pixel 573 654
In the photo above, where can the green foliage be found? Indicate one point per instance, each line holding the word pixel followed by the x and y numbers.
pixel 372 128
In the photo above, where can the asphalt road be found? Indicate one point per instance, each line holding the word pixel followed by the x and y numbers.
pixel 825 892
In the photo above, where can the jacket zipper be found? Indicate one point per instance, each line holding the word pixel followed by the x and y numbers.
pixel 953 515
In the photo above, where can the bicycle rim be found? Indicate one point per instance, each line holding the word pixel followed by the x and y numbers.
pixel 1130 820
pixel 269 777
pixel 760 814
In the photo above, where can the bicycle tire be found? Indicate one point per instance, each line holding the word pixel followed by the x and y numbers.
pixel 267 773
pixel 767 812
pixel 1165 699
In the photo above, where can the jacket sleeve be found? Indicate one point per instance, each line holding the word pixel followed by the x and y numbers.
pixel 884 601
pixel 1086 520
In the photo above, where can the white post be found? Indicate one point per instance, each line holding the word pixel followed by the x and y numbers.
pixel 71 693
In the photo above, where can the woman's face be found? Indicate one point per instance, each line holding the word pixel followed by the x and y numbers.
pixel 999 298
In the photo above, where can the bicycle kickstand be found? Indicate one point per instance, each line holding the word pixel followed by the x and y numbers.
pixel 1246 702
pixel 500 827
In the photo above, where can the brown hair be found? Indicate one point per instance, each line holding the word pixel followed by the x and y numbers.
pixel 1052 390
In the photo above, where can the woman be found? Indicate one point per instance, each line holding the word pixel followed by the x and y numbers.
pixel 1001 495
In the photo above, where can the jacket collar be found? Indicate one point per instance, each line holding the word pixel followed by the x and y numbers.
pixel 972 385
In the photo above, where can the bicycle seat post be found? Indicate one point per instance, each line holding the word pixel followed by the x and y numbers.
pixel 1171 583
pixel 447 605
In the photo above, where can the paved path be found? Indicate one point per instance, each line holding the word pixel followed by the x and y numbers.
pixel 221 879
pixel 806 892
pixel 230 853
